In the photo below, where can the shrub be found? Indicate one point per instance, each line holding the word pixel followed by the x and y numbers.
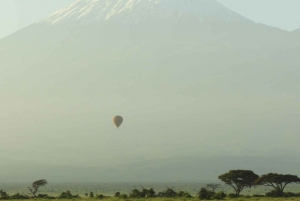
pixel 135 193
pixel 147 193
pixel 274 193
pixel 45 196
pixel 100 196
pixel 219 195
pixel 186 195
pixel 232 195
pixel 205 194
pixel 289 194
pixel 91 194
pixel 67 195
pixel 169 193
pixel 124 196
pixel 42 195
pixel 18 196
pixel 150 192
pixel 257 196
pixel 3 195
pixel 183 194
pixel 117 194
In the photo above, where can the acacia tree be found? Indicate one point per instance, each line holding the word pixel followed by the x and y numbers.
pixel 239 179
pixel 277 181
pixel 36 185
pixel 213 187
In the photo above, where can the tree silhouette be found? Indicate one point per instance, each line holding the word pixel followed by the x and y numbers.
pixel 277 181
pixel 36 185
pixel 239 179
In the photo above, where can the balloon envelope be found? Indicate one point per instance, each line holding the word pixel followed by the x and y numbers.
pixel 118 120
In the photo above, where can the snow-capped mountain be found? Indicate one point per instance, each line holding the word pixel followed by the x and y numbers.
pixel 185 74
pixel 87 11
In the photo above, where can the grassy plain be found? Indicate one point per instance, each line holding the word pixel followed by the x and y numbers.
pixel 175 199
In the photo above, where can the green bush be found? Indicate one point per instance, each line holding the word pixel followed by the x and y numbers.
pixel 135 193
pixel 168 193
pixel 100 196
pixel 124 196
pixel 219 195
pixel 257 196
pixel 18 196
pixel 67 195
pixel 42 195
pixel 232 195
pixel 147 193
pixel 180 193
pixel 3 195
pixel 186 195
pixel 290 194
pixel 205 194
pixel 45 196
pixel 183 194
pixel 151 192
pixel 274 193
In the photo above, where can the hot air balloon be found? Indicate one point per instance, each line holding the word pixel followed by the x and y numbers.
pixel 118 120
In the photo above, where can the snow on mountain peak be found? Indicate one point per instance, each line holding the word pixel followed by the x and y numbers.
pixel 87 11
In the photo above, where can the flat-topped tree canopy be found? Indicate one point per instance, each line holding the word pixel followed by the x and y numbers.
pixel 239 179
pixel 277 181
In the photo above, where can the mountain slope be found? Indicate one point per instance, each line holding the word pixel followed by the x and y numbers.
pixel 297 30
pixel 185 81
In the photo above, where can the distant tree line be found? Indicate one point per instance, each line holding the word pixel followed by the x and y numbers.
pixel 238 180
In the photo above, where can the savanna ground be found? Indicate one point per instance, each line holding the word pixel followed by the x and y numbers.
pixel 177 199
pixel 55 189
pixel 108 189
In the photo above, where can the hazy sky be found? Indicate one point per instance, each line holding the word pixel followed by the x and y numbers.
pixel 16 14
